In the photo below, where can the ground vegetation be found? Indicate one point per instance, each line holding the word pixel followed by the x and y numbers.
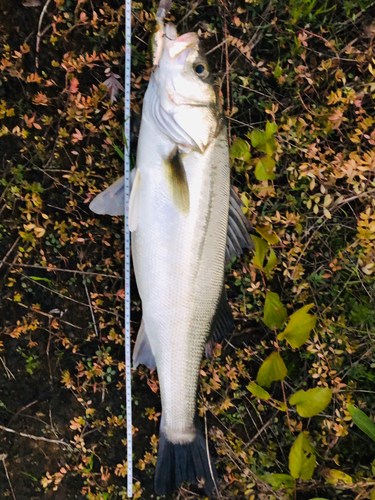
pixel 287 401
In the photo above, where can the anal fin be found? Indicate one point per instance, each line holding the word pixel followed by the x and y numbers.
pixel 143 354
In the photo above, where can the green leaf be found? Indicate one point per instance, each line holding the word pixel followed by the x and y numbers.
pixel 268 234
pixel 270 129
pixel 270 147
pixel 312 402
pixel 333 476
pixel 257 391
pixel 240 150
pixel 280 405
pixel 38 278
pixel 272 261
pixel 264 169
pixel 302 458
pixel 362 421
pixel 278 480
pixel 273 368
pixel 274 312
pixel 298 329
pixel 258 139
pixel 116 148
pixel 260 250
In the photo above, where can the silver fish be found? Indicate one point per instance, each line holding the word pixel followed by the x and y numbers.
pixel 180 205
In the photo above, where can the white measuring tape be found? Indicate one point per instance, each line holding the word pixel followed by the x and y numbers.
pixel 128 388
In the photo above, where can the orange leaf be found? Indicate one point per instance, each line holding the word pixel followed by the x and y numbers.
pixel 77 136
pixel 74 86
pixel 108 115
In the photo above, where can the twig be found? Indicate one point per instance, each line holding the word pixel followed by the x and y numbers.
pixel 208 454
pixel 348 200
pixel 216 47
pixel 45 314
pixel 4 193
pixel 333 209
pixel 91 310
pixel 229 107
pixel 9 252
pixel 235 459
pixel 39 34
pixel 287 411
pixel 47 352
pixel 50 419
pixel 49 269
pixel 36 438
pixel 8 372
pixel 22 410
pixel 267 424
pixel 68 298
pixel 3 456
pixel 5 274
pixel 196 4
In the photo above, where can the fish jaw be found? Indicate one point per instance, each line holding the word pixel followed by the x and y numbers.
pixel 176 46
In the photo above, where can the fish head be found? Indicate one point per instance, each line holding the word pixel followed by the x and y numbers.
pixel 186 88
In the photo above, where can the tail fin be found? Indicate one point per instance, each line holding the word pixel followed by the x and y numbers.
pixel 184 462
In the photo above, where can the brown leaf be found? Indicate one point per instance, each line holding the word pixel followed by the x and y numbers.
pixel 113 85
pixel 31 3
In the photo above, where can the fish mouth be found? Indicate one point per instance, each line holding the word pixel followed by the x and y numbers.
pixel 178 46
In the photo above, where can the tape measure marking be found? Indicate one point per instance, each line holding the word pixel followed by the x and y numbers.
pixel 128 388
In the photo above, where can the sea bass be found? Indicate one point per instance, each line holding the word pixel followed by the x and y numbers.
pixel 180 205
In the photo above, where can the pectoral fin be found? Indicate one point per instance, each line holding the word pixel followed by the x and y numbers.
pixel 143 354
pixel 176 176
pixel 238 229
pixel 112 200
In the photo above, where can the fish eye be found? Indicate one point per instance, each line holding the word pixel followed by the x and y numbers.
pixel 201 69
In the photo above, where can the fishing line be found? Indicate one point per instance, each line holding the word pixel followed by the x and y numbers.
pixel 128 388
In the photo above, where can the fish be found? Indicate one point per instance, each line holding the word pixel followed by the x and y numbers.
pixel 186 224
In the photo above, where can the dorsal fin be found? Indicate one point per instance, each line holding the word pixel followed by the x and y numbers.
pixel 238 229
pixel 222 323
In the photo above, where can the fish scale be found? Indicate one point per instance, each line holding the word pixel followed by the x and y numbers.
pixel 179 266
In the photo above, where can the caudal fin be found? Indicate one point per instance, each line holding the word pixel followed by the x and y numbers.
pixel 184 462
